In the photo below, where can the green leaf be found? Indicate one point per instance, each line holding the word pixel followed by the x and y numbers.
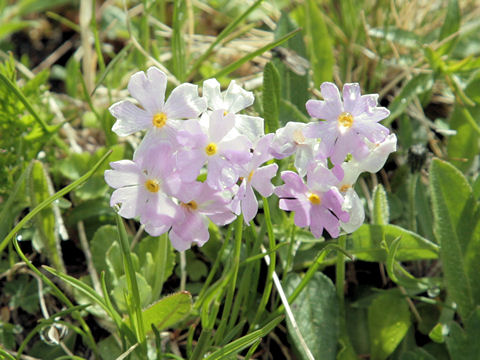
pixel 463 147
pixel 121 288
pixel 271 97
pixel 46 234
pixel 319 43
pixel 437 334
pixel 451 25
pixel 157 257
pixel 463 344
pixel 381 212
pixel 10 27
pixel 454 209
pixel 167 311
pixel 101 242
pixel 238 345
pixel 416 86
pixel 316 311
pixel 400 36
pixel 178 43
pixel 22 292
pixel 388 323
pixel 417 354
pixel 366 244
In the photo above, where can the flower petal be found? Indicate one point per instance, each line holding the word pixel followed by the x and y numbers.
pixel 249 205
pixel 213 95
pixel 261 179
pixel 130 200
pixel 351 95
pixel 130 118
pixel 149 89
pixel 184 103
pixel 124 173
pixel 236 98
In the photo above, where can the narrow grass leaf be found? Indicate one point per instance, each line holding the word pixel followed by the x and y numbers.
pixel 178 43
pixel 319 42
pixel 316 311
pixel 271 97
pixel 454 210
pixel 238 345
pixel 235 65
pixel 451 25
pixel 463 344
pixel 388 323
pixel 381 211
pixel 366 244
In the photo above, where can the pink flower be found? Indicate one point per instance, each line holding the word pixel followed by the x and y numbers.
pixel 255 177
pixel 347 124
pixel 197 204
pixel 212 141
pixel 144 186
pixel 317 204
pixel 158 116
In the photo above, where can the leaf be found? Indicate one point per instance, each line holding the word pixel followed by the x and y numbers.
pixel 47 236
pixel 316 311
pixel 417 354
pixel 319 43
pixel 464 147
pixel 414 87
pixel 381 212
pixel 463 344
pixel 238 345
pixel 366 244
pixel 157 257
pixel 167 311
pixel 101 242
pixel 22 293
pixel 121 288
pixel 400 36
pixel 451 25
pixel 455 220
pixel 271 97
pixel 388 323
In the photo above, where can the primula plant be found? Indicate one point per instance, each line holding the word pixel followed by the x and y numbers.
pixel 239 180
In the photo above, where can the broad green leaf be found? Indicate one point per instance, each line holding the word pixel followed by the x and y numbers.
pixel 463 344
pixel 317 314
pixel 271 97
pixel 121 288
pixel 438 333
pixel 157 259
pixel 454 210
pixel 418 85
pixel 101 242
pixel 366 244
pixel 417 354
pixel 388 323
pixel 22 292
pixel 381 212
pixel 319 43
pixel 10 27
pixel 294 87
pixel 46 235
pixel 451 24
pixel 463 147
pixel 109 348
pixel 167 311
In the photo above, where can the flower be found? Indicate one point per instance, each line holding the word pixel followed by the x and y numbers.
pixel 157 116
pixel 197 204
pixel 317 204
pixel 346 124
pixel 255 177
pixel 144 186
pixel 212 142
pixel 233 100
pixel 290 140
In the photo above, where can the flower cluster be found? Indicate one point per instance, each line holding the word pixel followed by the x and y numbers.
pixel 200 160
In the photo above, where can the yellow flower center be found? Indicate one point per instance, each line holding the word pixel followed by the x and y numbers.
pixel 345 187
pixel 211 149
pixel 314 199
pixel 225 112
pixel 250 176
pixel 298 137
pixel 345 119
pixel 191 205
pixel 159 120
pixel 152 185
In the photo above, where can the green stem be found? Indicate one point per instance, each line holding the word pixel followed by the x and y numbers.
pixel 271 266
pixel 412 186
pixel 233 281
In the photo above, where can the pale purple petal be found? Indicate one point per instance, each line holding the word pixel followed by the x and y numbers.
pixel 331 224
pixel 250 126
pixel 372 131
pixel 293 185
pixel 249 205
pixel 190 162
pixel 236 98
pixel 303 158
pixel 153 230
pixel 261 179
pixel 184 103
pixel 351 96
pixel 222 219
pixel 237 150
pixel 124 173
pixel 301 209
pixel 333 200
pixel 354 206
pixel 130 200
pixel 220 125
pixel 130 118
pixel 194 228
pixel 212 94
pixel 221 174
pixel 149 89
